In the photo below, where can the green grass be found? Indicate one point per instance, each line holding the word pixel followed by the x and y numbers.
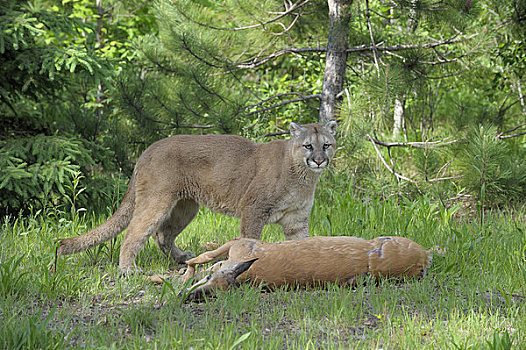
pixel 472 297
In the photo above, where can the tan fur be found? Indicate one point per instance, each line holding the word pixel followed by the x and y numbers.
pixel 263 183
pixel 312 261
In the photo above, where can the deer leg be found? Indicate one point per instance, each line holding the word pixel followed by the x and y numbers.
pixel 204 258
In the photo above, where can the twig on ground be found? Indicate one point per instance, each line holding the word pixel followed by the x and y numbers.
pixel 400 176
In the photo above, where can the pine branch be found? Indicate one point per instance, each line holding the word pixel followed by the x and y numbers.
pixel 253 63
pixel 421 145
pixel 157 63
pixel 195 126
pixel 186 46
pixel 291 50
pixel 202 86
pixel 188 108
pixel 503 135
pixel 293 7
pixel 176 125
pixel 436 179
pixel 130 101
pixel 301 98
pixel 402 177
pixel 276 134
pixel 442 60
pixel 369 26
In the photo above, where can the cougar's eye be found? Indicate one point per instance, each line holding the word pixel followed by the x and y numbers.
pixel 308 146
pixel 327 145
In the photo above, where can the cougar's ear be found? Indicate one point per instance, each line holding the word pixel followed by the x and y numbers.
pixel 331 127
pixel 295 129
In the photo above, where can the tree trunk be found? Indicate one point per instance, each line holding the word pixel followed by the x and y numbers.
pixel 336 60
pixel 398 117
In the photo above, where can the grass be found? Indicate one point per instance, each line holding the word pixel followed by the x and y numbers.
pixel 472 297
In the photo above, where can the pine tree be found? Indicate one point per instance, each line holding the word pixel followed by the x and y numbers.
pixel 218 65
pixel 50 99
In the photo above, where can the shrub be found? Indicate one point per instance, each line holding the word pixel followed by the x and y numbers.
pixel 42 171
pixel 492 171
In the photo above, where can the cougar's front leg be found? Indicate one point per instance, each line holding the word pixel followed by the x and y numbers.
pixel 295 226
pixel 252 223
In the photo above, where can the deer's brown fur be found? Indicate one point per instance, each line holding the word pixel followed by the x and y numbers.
pixel 309 261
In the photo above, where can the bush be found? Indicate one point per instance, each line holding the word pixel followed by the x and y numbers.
pixel 42 172
pixel 492 171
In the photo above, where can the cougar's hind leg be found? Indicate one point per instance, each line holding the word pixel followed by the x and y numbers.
pixel 148 216
pixel 180 216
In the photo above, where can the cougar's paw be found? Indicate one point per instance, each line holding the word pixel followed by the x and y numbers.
pixel 187 254
pixel 130 270
pixel 158 278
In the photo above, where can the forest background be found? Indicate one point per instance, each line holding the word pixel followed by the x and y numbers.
pixel 428 95
pixel 431 146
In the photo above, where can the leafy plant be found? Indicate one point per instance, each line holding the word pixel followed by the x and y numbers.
pixel 44 172
pixel 34 171
pixel 499 341
pixel 492 173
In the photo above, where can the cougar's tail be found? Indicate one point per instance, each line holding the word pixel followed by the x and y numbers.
pixel 109 229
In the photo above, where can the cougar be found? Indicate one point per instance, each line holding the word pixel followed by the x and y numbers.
pixel 272 182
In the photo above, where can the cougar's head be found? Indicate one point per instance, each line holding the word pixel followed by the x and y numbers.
pixel 314 145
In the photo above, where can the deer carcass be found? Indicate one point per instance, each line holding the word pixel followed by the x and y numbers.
pixel 309 261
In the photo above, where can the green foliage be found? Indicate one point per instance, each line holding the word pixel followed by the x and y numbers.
pixel 117 76
pixel 46 171
pixel 30 333
pixel 294 80
pixel 11 282
pixel 500 341
pixel 204 68
pixel 491 171
pixel 82 304
pixel 57 117
pixel 36 59
pixel 35 170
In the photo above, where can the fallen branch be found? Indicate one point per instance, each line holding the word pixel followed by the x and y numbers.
pixel 400 176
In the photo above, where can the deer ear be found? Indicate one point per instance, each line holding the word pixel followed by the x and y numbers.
pixel 241 267
pixel 331 127
pixel 295 129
